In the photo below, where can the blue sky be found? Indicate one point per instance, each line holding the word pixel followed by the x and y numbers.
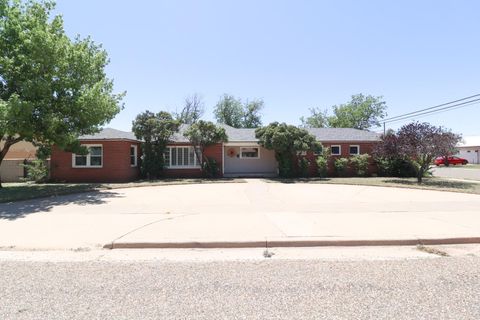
pixel 292 54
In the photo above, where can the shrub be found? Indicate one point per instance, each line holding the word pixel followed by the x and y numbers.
pixel 303 165
pixel 341 165
pixel 37 170
pixel 395 167
pixel 322 166
pixel 285 164
pixel 322 161
pixel 360 164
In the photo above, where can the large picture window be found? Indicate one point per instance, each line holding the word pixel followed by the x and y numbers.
pixel 181 157
pixel 249 153
pixel 93 159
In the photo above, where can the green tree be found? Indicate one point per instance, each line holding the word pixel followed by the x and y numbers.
pixel 229 111
pixel 155 130
pixel 251 114
pixel 362 112
pixel 201 135
pixel 318 119
pixel 52 89
pixel 233 112
pixel 286 141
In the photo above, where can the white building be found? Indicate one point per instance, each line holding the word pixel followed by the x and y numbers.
pixel 470 149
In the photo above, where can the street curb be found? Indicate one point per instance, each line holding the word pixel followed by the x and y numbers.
pixel 288 243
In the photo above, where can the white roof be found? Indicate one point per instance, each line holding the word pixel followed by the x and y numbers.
pixel 470 141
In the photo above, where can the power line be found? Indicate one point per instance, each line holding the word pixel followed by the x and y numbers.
pixel 430 108
pixel 425 114
pixel 438 110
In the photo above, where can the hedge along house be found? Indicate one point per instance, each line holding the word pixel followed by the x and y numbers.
pixel 344 143
pixel 114 155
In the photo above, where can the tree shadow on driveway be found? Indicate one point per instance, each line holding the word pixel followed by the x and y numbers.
pixel 16 210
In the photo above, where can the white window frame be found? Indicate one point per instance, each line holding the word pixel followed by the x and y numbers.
pixel 88 165
pixel 257 157
pixel 339 150
pixel 358 149
pixel 169 165
pixel 135 153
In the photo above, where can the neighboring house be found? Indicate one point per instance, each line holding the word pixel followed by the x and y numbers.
pixel 115 155
pixel 12 169
pixel 470 149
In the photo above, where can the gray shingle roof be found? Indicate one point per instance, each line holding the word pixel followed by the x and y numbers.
pixel 322 134
pixel 343 134
pixel 247 135
pixel 110 134
pixel 234 134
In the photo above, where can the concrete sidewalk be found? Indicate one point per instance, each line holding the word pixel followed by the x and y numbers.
pixel 241 215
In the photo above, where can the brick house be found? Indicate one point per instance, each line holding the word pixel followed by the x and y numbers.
pixel 115 155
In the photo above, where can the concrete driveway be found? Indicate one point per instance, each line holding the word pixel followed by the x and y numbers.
pixel 237 212
pixel 457 172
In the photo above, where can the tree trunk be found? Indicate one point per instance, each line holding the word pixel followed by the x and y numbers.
pixel 198 156
pixel 419 177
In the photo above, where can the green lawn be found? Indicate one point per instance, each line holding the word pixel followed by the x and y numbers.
pixel 24 191
pixel 27 190
pixel 438 184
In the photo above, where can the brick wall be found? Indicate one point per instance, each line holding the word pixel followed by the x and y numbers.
pixel 116 164
pixel 365 147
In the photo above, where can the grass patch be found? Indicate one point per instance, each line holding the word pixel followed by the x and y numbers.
pixel 438 184
pixel 28 190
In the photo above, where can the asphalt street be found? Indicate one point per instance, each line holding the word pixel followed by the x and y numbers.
pixel 420 288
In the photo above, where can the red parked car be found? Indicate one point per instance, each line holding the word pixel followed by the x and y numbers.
pixel 451 160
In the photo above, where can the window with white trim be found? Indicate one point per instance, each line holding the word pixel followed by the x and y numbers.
pixel 353 150
pixel 133 155
pixel 181 157
pixel 250 152
pixel 93 159
pixel 336 150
